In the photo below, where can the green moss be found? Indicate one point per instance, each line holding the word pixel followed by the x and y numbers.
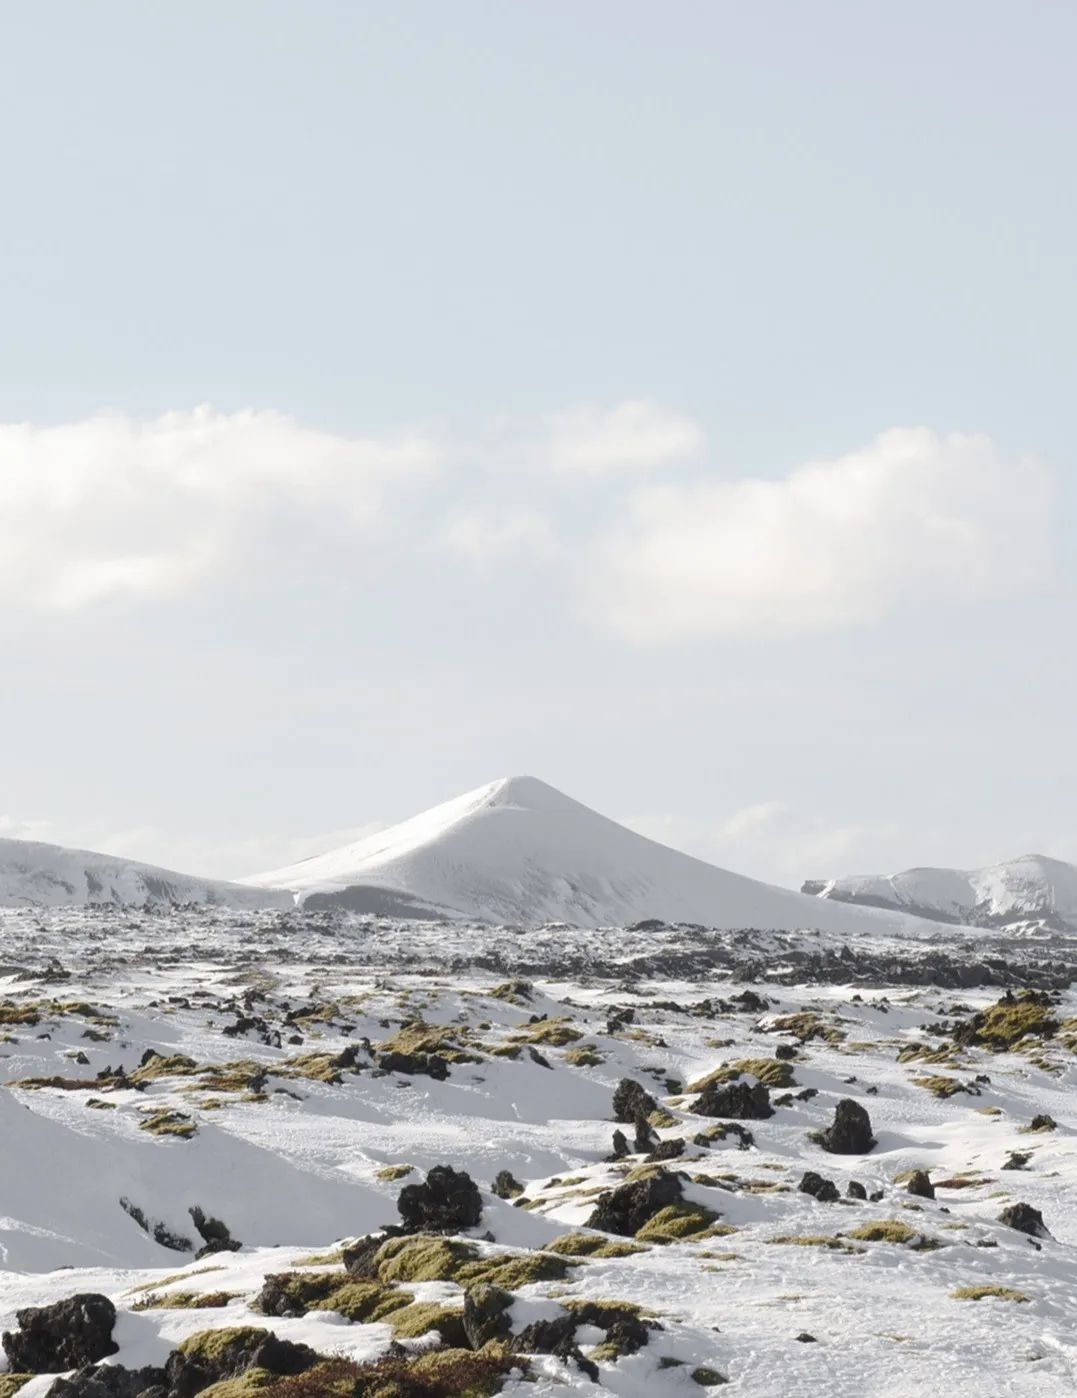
pixel 982 1293
pixel 555 1033
pixel 506 1051
pixel 253 1381
pixel 316 1067
pixel 11 1383
pixel 178 1066
pixel 883 1230
pixel 364 1301
pixel 510 1271
pixel 169 1123
pixel 12 1013
pixel 678 1221
pixel 422 1258
pixel 813 1240
pixel 584 1056
pixel 807 1025
pixel 230 1077
pixel 411 1322
pixel 185 1301
pixel 661 1120
pixel 322 1259
pixel 771 1071
pixel 940 1087
pixel 99 1106
pixel 921 1053
pixel 591 1245
pixel 421 1038
pixel 215 1346
pixel 171 1280
pixel 512 991
pixel 1007 1022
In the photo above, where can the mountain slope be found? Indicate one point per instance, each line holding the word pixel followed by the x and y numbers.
pixel 1032 891
pixel 43 875
pixel 518 851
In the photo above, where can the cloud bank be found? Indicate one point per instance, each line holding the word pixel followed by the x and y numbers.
pixel 111 506
pixel 913 516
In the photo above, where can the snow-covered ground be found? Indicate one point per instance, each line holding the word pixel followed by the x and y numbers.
pixel 270 1030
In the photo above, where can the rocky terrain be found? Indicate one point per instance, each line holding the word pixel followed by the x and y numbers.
pixel 310 1152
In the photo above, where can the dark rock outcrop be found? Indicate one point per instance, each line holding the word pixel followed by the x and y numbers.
pixel 109 1381
pixel 1025 1219
pixel 448 1201
pixel 740 1101
pixel 215 1235
pixel 627 1208
pixel 190 1370
pixel 826 1191
pixel 69 1334
pixel 506 1185
pixel 919 1183
pixel 486 1317
pixel 850 1132
pixel 631 1100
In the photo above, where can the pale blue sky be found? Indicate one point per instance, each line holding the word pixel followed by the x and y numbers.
pixel 775 232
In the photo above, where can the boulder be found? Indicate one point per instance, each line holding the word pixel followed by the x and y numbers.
pixel 506 1185
pixel 631 1100
pixel 627 1208
pixel 69 1334
pixel 215 1355
pixel 919 1183
pixel 109 1381
pixel 448 1201
pixel 486 1314
pixel 741 1101
pixel 850 1131
pixel 826 1191
pixel 1025 1219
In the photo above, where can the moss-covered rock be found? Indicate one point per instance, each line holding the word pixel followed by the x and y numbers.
pixel 679 1221
pixel 591 1245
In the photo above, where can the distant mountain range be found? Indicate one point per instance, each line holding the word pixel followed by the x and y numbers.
pixel 1030 893
pixel 40 875
pixel 519 852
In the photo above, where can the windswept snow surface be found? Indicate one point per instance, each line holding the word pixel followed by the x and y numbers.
pixel 41 875
pixel 519 851
pixel 1031 891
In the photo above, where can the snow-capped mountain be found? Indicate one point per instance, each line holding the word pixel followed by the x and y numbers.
pixel 1032 892
pixel 518 851
pixel 41 875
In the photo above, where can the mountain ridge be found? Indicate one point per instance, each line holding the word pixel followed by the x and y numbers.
pixel 1031 892
pixel 36 874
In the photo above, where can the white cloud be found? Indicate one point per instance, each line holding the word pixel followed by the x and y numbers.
pixel 773 841
pixel 638 434
pixel 488 537
pixel 111 506
pixel 914 515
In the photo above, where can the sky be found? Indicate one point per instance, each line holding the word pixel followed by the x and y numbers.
pixel 673 402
